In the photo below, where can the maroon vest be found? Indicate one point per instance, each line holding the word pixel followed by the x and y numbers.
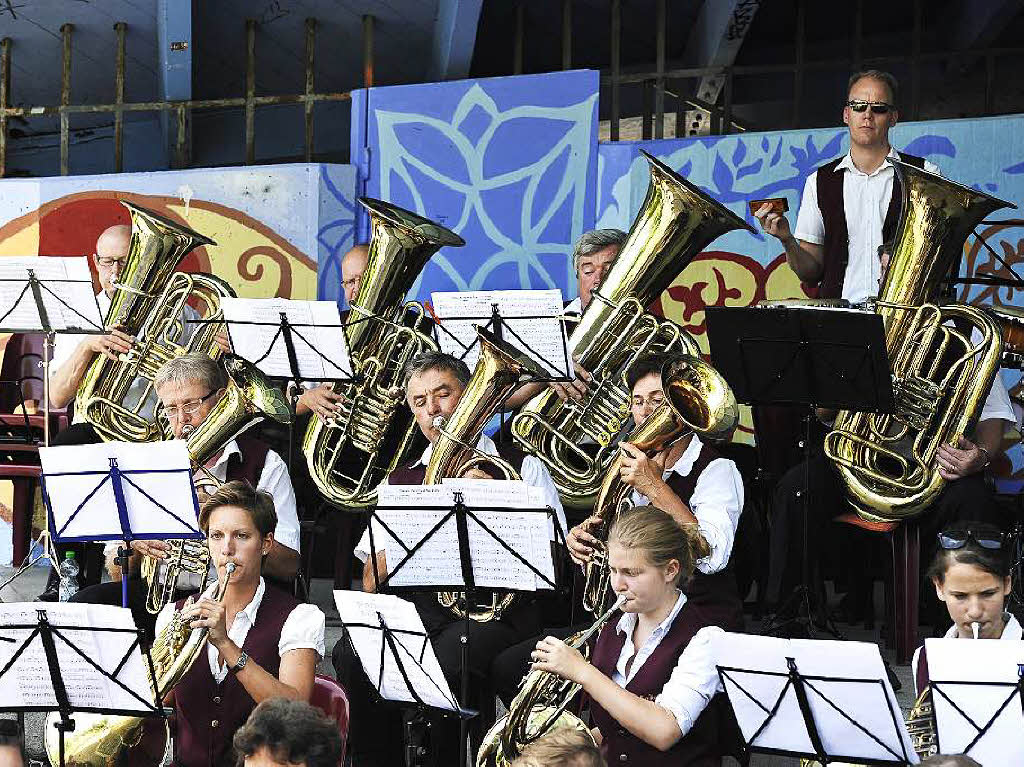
pixel 248 465
pixel 717 594
pixel 837 237
pixel 208 714
pixel 701 745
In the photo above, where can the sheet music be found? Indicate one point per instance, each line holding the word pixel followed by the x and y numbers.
pixel 68 489
pixel 18 308
pixel 543 336
pixel 321 349
pixel 418 656
pixel 871 702
pixel 957 660
pixel 28 682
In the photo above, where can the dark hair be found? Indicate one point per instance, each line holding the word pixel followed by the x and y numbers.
pixel 950 760
pixel 258 503
pixel 885 78
pixel 435 361
pixel 292 731
pixel 644 367
pixel 993 561
pixel 11 737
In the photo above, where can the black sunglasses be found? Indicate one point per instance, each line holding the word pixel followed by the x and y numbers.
pixel 957 539
pixel 876 107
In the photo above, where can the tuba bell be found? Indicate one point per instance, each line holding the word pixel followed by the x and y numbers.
pixel 500 369
pixel 697 400
pixel 352 454
pixel 675 222
pixel 941 376
pixel 149 302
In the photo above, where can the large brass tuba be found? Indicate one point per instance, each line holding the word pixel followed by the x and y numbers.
pixel 940 375
pixel 499 370
pixel 675 222
pixel 101 740
pixel 697 400
pixel 249 399
pixel 538 708
pixel 373 433
pixel 149 303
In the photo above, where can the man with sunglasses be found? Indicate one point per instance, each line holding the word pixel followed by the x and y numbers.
pixel 189 387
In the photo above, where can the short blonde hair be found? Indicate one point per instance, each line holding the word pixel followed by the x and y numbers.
pixel 562 748
pixel 657 533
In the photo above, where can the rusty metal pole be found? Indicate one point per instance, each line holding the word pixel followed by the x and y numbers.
pixel 798 70
pixel 307 105
pixel 566 34
pixel 616 25
pixel 517 44
pixel 180 140
pixel 119 27
pixel 250 91
pixel 5 99
pixel 661 31
pixel 65 96
pixel 368 28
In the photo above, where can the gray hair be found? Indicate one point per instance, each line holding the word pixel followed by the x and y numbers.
pixel 593 241
pixel 192 367
pixel 435 361
pixel 885 78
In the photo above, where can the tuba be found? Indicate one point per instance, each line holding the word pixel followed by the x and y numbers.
pixel 538 708
pixel 149 304
pixel 697 400
pixel 372 434
pixel 500 369
pixel 940 375
pixel 675 222
pixel 248 399
pixel 100 740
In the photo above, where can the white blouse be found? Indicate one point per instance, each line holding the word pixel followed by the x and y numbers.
pixel 303 628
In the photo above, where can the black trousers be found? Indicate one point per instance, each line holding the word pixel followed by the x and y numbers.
pixel 110 594
pixel 376 725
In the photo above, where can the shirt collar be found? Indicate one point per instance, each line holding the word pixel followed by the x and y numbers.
pixel 574 307
pixel 627 622
pixel 685 463
pixel 847 163
pixel 103 300
pixel 484 444
pixel 231 448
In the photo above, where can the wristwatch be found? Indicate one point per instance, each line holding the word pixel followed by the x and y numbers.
pixel 240 663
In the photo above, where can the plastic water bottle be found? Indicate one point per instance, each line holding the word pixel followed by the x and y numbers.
pixel 68 577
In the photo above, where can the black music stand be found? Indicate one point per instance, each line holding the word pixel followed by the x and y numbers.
pixel 43 632
pixel 462 514
pixel 810 357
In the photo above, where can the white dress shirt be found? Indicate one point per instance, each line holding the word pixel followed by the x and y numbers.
pixel 303 628
pixel 574 307
pixel 717 503
pixel 1011 630
pixel 626 625
pixel 866 199
pixel 535 474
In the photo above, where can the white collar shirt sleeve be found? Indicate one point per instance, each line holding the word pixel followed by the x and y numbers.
pixel 694 680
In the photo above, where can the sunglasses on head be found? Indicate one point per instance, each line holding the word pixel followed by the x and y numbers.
pixel 876 107
pixel 957 539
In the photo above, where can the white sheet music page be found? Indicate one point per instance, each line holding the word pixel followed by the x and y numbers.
pixel 433 563
pixel 160 504
pixel 27 684
pixel 67 293
pixel 321 349
pixel 417 654
pixel 532 315
pixel 958 660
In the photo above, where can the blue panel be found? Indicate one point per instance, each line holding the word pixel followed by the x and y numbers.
pixel 336 222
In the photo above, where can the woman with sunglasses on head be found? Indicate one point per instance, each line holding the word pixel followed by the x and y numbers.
pixel 651 680
pixel 971 575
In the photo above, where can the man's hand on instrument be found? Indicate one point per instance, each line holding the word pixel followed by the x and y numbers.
pixel 555 656
pixel 222 341
pixel 476 474
pixel 773 223
pixel 637 470
pixel 322 400
pixel 209 615
pixel 151 549
pixel 113 343
pixel 961 461
pixel 576 388
pixel 580 541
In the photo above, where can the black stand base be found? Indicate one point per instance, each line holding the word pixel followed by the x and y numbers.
pixel 416 734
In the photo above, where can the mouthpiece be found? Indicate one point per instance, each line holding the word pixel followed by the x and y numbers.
pixel 620 601
pixel 438 421
pixel 230 567
pixel 976 628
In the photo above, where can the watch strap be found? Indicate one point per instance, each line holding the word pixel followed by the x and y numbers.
pixel 240 663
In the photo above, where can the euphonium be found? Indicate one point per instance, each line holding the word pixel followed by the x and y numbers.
pixel 697 400
pixel 101 740
pixel 940 375
pixel 149 302
pixel 675 222
pixel 248 399
pixel 372 434
pixel 538 708
pixel 499 370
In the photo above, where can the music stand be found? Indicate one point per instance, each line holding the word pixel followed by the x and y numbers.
pixel 810 357
pixel 42 647
pixel 118 492
pixel 466 579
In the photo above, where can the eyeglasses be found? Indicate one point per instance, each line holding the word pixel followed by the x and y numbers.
pixel 957 539
pixel 876 107
pixel 107 263
pixel 652 401
pixel 173 412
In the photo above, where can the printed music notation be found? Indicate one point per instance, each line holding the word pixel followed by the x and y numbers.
pixel 67 293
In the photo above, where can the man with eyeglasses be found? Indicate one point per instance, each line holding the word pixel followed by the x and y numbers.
pixel 189 387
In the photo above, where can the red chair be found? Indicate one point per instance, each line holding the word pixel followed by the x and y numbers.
pixel 331 698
